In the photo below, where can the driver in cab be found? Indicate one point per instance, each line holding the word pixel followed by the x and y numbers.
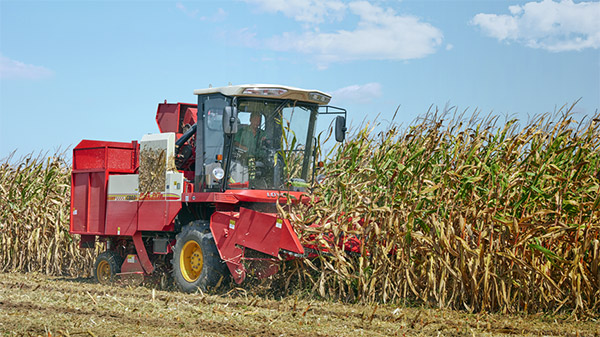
pixel 250 138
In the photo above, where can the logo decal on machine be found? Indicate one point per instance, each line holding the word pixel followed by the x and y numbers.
pixel 123 197
pixel 145 197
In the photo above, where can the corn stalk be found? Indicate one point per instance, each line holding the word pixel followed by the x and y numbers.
pixel 34 218
pixel 470 214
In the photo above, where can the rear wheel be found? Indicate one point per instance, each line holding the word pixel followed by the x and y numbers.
pixel 196 260
pixel 107 266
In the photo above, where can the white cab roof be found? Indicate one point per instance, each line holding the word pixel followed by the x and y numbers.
pixel 312 96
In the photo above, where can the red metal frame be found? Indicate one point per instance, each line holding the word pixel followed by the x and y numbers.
pixel 93 214
pixel 236 196
pixel 263 232
pixel 234 228
pixel 171 117
pixel 93 162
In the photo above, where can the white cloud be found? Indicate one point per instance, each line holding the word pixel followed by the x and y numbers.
pixel 553 26
pixel 220 15
pixel 357 93
pixel 11 69
pixel 305 11
pixel 381 34
pixel 240 37
pixel 186 11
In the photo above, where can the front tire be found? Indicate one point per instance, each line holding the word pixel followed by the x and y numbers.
pixel 196 260
pixel 107 266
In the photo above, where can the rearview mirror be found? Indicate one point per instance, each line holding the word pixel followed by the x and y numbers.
pixel 230 120
pixel 340 128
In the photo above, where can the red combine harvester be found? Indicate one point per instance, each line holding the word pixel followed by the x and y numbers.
pixel 199 198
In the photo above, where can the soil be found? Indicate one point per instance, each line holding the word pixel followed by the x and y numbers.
pixel 38 305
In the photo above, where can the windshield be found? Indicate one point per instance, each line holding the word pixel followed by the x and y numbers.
pixel 273 145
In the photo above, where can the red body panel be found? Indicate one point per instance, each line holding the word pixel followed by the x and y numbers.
pixel 116 157
pixel 127 217
pixel 80 186
pixel 235 196
pixel 93 162
pixel 157 215
pixel 171 117
pixel 263 232
pixel 121 217
pixel 232 254
pixel 142 253
pixel 268 196
pixel 132 265
pixel 152 215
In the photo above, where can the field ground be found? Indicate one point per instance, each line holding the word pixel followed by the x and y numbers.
pixel 34 304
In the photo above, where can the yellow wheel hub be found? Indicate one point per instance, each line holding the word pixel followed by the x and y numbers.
pixel 103 271
pixel 191 261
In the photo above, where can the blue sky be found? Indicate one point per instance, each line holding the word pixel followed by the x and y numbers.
pixel 71 70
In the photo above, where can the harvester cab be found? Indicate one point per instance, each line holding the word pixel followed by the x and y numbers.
pixel 199 198
pixel 245 134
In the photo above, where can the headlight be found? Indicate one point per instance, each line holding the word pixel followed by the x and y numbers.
pixel 315 96
pixel 264 91
pixel 218 173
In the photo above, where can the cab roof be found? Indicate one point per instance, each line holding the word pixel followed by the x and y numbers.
pixel 269 91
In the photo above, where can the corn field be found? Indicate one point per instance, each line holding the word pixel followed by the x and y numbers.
pixel 34 218
pixel 470 214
